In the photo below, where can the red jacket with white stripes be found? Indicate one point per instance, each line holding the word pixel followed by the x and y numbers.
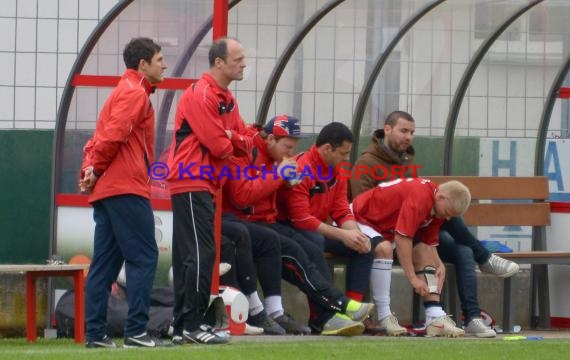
pixel 320 196
pixel 200 146
pixel 251 191
pixel 122 146
pixel 403 206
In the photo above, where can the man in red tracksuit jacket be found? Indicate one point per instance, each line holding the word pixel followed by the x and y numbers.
pixel 320 198
pixel 250 195
pixel 207 131
pixel 114 171
pixel 409 213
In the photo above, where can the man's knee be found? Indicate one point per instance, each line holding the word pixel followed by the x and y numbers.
pixel 313 236
pixel 465 256
pixel 458 255
pixel 422 256
pixel 383 250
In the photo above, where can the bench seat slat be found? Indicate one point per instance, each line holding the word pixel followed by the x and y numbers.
pixel 499 214
pixel 499 187
pixel 535 254
pixel 538 257
pixel 16 268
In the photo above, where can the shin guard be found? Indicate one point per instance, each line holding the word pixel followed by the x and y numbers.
pixel 431 279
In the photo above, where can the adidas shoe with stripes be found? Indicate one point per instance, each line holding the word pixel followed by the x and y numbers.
pixel 204 335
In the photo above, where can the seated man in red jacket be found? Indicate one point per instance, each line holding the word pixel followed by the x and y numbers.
pixel 321 197
pixel 391 154
pixel 409 212
pixel 250 195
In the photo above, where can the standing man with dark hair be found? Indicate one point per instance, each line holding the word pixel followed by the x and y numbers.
pixel 114 171
pixel 392 146
pixel 207 131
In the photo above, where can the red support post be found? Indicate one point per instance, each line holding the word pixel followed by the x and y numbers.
pixel 564 93
pixel 220 29
pixel 220 21
pixel 31 332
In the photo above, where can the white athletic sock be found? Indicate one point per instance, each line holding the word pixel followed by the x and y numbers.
pixel 274 306
pixel 255 304
pixel 432 313
pixel 380 280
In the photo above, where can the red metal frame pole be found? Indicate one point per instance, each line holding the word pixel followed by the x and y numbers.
pixel 31 332
pixel 220 29
pixel 220 21
pixel 564 93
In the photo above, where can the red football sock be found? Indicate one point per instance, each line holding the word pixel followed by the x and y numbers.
pixel 355 295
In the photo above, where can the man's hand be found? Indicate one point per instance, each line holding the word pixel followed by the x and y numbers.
pixel 420 287
pixel 287 167
pixel 88 181
pixel 356 240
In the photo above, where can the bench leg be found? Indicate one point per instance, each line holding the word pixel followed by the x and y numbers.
pixel 416 307
pixel 451 294
pixel 79 307
pixel 507 310
pixel 540 296
pixel 31 332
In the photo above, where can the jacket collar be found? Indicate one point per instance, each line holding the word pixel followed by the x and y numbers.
pixel 139 78
pixel 220 91
pixel 320 162
pixel 315 155
pixel 379 149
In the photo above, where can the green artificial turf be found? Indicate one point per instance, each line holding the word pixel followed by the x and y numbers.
pixel 378 348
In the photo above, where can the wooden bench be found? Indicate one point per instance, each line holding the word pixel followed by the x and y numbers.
pixel 518 201
pixel 32 272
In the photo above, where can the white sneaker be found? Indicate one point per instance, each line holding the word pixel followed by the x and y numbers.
pixel 477 327
pixel 496 265
pixel 391 327
pixel 252 330
pixel 444 326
